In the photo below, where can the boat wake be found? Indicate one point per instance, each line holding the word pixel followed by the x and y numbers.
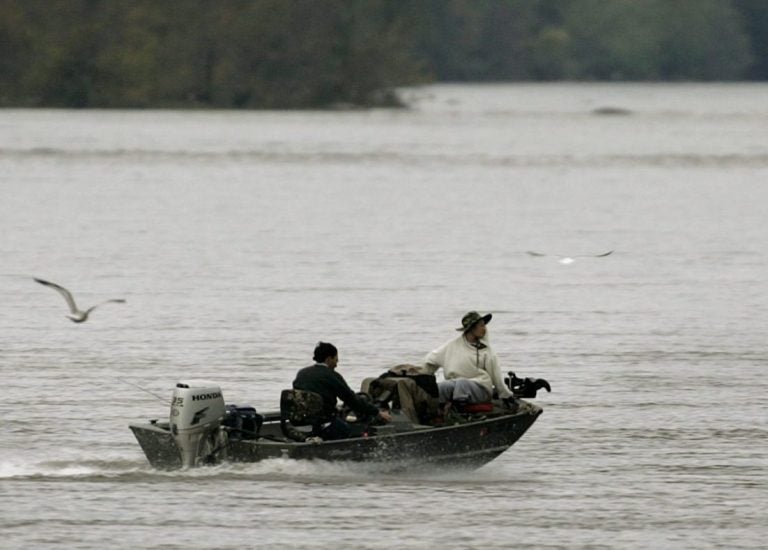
pixel 71 469
pixel 276 469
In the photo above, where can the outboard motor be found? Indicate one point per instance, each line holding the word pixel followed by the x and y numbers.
pixel 197 408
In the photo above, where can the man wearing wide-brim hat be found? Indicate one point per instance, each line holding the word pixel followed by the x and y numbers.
pixel 470 367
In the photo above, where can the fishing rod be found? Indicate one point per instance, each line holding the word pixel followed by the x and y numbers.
pixel 165 401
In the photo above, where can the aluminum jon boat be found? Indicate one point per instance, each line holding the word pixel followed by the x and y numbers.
pixel 203 430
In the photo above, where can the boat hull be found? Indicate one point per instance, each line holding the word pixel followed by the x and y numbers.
pixel 468 444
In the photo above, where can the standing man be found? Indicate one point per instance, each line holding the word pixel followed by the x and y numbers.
pixel 323 379
pixel 470 367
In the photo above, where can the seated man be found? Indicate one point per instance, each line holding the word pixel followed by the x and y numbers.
pixel 323 379
pixel 470 366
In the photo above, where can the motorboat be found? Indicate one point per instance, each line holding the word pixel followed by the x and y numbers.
pixel 203 430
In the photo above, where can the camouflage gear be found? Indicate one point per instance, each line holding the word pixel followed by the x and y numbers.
pixel 471 319
pixel 302 408
pixel 406 395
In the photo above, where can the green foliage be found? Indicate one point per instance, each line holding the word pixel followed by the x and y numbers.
pixel 321 53
pixel 754 17
pixel 612 40
pixel 223 53
pixel 596 39
pixel 702 40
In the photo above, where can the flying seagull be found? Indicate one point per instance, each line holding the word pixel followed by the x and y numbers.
pixel 76 315
pixel 570 259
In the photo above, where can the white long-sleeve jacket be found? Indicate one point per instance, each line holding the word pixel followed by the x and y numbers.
pixel 460 359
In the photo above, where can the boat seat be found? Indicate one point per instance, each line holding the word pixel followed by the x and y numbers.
pixel 300 408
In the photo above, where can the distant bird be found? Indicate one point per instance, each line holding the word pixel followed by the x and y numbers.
pixel 570 259
pixel 77 315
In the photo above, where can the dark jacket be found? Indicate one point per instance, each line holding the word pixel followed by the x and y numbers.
pixel 330 385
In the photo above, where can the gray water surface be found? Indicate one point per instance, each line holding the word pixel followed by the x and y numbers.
pixel 239 239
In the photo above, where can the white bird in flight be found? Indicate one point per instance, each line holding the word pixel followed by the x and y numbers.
pixel 76 315
pixel 571 259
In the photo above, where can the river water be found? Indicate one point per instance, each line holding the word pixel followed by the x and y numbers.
pixel 239 239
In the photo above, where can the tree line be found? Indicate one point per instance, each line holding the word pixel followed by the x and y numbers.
pixel 323 53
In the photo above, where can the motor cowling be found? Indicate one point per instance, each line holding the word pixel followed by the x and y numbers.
pixel 197 408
